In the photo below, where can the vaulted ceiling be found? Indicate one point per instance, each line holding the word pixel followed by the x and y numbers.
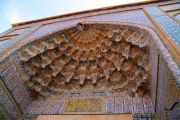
pixel 88 57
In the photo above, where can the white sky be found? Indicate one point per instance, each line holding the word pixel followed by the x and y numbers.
pixel 18 12
pixel 15 11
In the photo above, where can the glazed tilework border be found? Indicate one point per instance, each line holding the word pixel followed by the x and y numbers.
pixel 129 105
pixel 15 84
pixel 108 105
pixel 167 23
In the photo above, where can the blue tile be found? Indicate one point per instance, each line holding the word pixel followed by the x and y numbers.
pixel 169 25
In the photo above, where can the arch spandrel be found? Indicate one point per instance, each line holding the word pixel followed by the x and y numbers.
pixel 88 57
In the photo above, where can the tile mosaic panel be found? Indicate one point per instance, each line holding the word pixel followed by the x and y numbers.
pixel 129 105
pixel 84 105
pixel 138 105
pixel 5 65
pixel 4 115
pixel 128 108
pixel 8 72
pixel 119 105
pixel 14 84
pixel 7 104
pixel 95 105
pixel 49 106
pixel 162 79
pixel 148 107
pixel 167 23
pixel 35 107
pixel 167 94
pixel 110 105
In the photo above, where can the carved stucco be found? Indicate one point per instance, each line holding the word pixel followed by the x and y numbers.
pixel 88 56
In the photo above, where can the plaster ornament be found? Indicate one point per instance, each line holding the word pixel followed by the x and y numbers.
pixel 37 78
pixel 80 26
pixel 94 78
pixel 126 51
pixel 115 76
pixel 126 66
pixel 31 50
pixel 87 56
pixel 24 56
pixel 117 38
pixel 110 32
pixel 69 51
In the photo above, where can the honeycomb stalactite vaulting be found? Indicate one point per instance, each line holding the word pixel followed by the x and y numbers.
pixel 88 57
